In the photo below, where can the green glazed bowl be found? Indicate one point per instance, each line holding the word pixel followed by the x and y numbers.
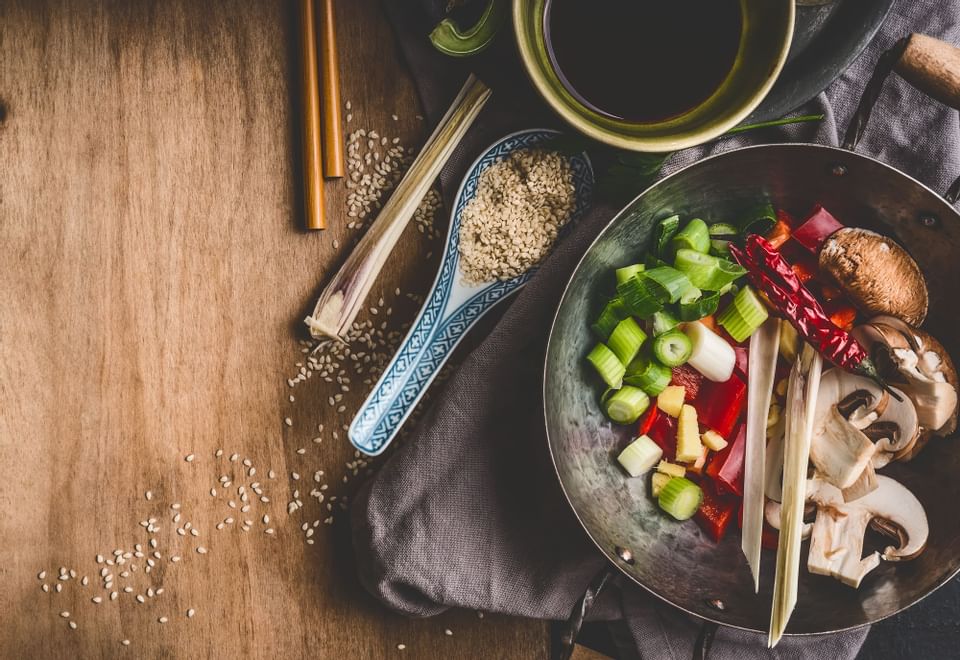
pixel 764 43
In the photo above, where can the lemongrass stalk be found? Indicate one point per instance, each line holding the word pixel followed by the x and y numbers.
pixel 344 295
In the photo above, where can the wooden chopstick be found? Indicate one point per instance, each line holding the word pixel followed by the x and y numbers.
pixel 330 98
pixel 310 93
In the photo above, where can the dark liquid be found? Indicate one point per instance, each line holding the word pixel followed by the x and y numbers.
pixel 643 60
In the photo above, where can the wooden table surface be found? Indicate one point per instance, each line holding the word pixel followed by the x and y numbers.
pixel 154 278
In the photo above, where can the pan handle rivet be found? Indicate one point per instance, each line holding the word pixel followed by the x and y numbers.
pixel 838 169
pixel 928 220
pixel 624 554
pixel 716 604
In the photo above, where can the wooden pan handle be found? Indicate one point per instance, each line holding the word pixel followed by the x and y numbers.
pixel 933 67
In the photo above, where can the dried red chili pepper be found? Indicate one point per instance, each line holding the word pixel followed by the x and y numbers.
pixel 773 275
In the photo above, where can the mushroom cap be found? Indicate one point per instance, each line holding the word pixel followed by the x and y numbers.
pixel 876 273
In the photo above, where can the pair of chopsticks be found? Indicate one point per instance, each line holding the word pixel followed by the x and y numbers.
pixel 322 133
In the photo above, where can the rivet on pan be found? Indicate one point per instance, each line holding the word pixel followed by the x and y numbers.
pixel 625 555
pixel 929 220
pixel 716 604
pixel 838 169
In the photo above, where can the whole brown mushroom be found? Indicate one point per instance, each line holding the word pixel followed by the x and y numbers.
pixel 877 275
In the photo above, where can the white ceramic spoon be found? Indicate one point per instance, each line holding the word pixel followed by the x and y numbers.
pixel 451 308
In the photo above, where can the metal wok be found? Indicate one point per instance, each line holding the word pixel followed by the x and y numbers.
pixel 675 561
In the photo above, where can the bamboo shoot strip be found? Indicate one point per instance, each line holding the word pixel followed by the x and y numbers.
pixel 762 365
pixel 344 295
pixel 802 389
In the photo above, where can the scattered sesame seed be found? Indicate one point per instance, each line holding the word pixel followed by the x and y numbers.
pixel 65 614
pixel 201 550
pixel 448 632
pixel 125 642
pixel 400 647
pixel 190 613
pixel 189 458
pixel 41 575
pixel 288 421
pixel 97 600
pixel 163 619
pixel 73 625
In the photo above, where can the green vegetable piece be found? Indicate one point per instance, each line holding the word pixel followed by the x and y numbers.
pixel 722 230
pixel 672 348
pixel 681 498
pixel 627 404
pixel 758 219
pixel 626 339
pixel 694 236
pixel 653 261
pixel 647 374
pixel 707 272
pixel 663 321
pixel 667 283
pixel 607 364
pixel 743 315
pixel 638 298
pixel 666 230
pixel 697 309
pixel 625 273
pixel 613 312
pixel 448 38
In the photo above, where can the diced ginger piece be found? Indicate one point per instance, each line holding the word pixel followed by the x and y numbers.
pixel 671 469
pixel 713 440
pixel 689 446
pixel 670 400
pixel 697 466
pixel 658 481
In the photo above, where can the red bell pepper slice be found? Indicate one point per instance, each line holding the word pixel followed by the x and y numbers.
pixel 719 404
pixel 741 365
pixel 842 313
pixel 690 378
pixel 816 229
pixel 726 468
pixel 663 431
pixel 780 233
pixel 648 419
pixel 716 512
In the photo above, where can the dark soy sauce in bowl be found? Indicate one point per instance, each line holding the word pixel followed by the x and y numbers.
pixel 642 60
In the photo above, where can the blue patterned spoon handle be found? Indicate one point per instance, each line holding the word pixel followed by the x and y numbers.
pixel 418 361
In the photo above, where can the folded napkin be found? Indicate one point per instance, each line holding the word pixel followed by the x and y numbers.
pixel 468 512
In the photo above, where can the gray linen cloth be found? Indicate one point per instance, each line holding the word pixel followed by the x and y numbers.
pixel 468 513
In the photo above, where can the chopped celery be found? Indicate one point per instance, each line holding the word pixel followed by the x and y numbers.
pixel 666 230
pixel 613 312
pixel 658 481
pixel 689 447
pixel 640 456
pixel 638 298
pixel 625 273
pixel 695 236
pixel 627 404
pixel 607 364
pixel 647 374
pixel 672 348
pixel 671 399
pixel 743 315
pixel 681 498
pixel 667 283
pixel 663 321
pixel 672 469
pixel 696 310
pixel 626 339
pixel 706 271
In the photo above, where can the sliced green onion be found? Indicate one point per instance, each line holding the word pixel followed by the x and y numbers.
pixel 666 230
pixel 680 498
pixel 758 220
pixel 653 261
pixel 607 364
pixel 663 321
pixel 719 247
pixel 743 315
pixel 706 271
pixel 669 284
pixel 613 312
pixel 672 348
pixel 627 404
pixel 647 374
pixel 696 310
pixel 640 456
pixel 720 236
pixel 625 273
pixel 695 236
pixel 449 38
pixel 722 230
pixel 712 355
pixel 638 298
pixel 626 339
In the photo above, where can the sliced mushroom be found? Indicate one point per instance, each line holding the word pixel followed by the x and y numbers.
pixel 876 273
pixel 865 483
pixel 855 423
pixel 920 365
pixel 771 513
pixel 836 542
